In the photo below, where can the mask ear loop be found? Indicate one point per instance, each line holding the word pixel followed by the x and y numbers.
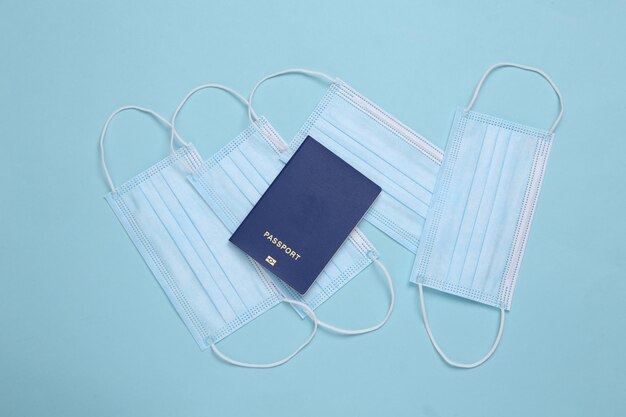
pixel 377 326
pixel 106 127
pixel 308 312
pixel 194 91
pixel 494 346
pixel 525 68
pixel 252 115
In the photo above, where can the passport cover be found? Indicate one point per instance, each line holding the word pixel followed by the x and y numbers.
pixel 305 215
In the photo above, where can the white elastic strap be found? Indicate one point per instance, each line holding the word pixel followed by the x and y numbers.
pixel 194 91
pixel 377 326
pixel 252 114
pixel 443 355
pixel 308 312
pixel 106 127
pixel 526 68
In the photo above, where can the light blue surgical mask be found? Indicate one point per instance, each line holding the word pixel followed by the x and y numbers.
pixel 482 208
pixel 399 160
pixel 214 287
pixel 233 180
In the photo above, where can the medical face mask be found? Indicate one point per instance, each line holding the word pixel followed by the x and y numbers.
pixel 399 160
pixel 214 287
pixel 482 208
pixel 233 180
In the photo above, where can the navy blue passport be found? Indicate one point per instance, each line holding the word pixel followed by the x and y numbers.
pixel 305 215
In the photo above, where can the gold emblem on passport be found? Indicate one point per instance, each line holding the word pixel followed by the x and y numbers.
pixel 270 260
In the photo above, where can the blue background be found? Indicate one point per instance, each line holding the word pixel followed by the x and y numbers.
pixel 86 330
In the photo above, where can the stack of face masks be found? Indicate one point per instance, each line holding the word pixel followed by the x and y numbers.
pixel 466 215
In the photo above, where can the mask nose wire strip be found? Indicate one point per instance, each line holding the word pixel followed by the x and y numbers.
pixel 525 68
pixel 252 114
pixel 106 127
pixel 307 311
pixel 377 326
pixel 194 91
pixel 443 355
